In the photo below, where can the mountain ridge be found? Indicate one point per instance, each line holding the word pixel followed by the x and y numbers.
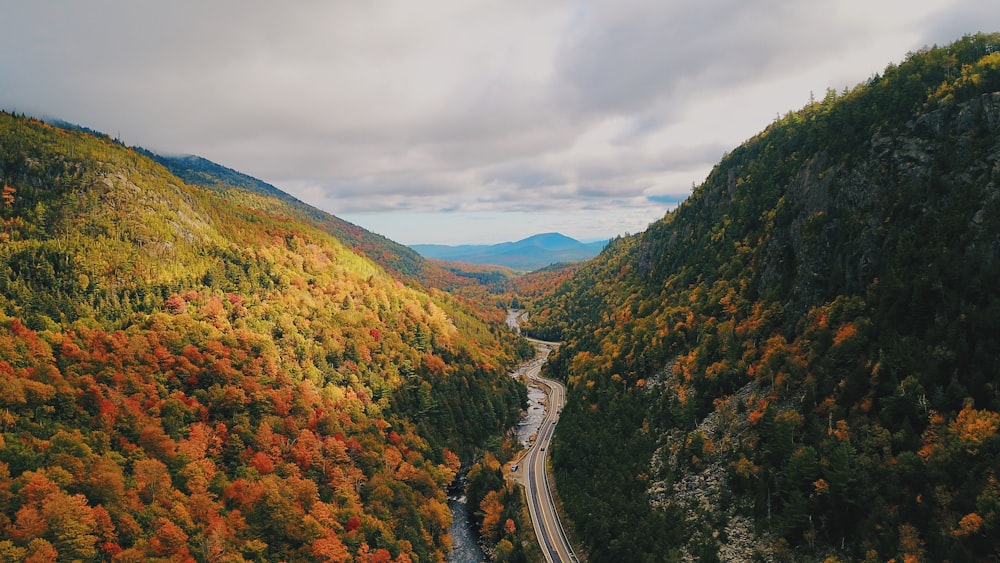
pixel 199 373
pixel 200 171
pixel 803 354
pixel 530 253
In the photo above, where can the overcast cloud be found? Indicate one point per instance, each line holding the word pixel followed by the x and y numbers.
pixel 456 121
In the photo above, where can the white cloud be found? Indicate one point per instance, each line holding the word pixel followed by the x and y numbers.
pixel 554 107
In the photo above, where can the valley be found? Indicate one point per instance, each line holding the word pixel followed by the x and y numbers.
pixel 532 470
pixel 799 362
pixel 534 431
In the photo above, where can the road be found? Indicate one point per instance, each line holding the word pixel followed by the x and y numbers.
pixel 531 467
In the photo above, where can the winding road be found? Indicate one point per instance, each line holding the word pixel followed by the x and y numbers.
pixel 531 467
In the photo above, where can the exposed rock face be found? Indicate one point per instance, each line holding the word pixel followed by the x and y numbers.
pixel 831 206
pixel 704 495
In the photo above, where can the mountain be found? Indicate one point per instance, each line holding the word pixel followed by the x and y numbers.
pixel 801 361
pixel 397 258
pixel 194 373
pixel 532 253
pixel 197 171
pixel 401 261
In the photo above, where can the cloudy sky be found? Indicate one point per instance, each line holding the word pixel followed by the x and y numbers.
pixel 458 121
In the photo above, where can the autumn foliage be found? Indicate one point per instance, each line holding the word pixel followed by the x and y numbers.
pixel 816 333
pixel 195 374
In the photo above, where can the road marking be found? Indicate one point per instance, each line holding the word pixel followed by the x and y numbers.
pixel 548 525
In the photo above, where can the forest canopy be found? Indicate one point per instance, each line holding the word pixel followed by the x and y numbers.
pixel 195 373
pixel 802 360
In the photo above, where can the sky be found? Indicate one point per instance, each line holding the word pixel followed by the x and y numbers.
pixel 458 121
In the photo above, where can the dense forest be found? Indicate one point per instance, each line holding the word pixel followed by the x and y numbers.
pixel 396 258
pixel 198 373
pixel 802 361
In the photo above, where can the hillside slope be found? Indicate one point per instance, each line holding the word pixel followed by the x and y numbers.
pixel 803 360
pixel 191 373
pixel 398 259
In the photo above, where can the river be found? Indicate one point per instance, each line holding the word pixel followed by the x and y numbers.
pixel 463 535
pixel 464 548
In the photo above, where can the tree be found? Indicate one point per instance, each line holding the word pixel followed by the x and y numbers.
pixel 492 511
pixel 169 540
pixel 330 549
pixel 66 522
pixel 7 195
pixel 41 551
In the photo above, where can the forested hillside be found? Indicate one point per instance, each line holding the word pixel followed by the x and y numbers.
pixel 198 374
pixel 398 259
pixel 802 361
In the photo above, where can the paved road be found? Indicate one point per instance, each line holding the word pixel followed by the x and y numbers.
pixel 531 468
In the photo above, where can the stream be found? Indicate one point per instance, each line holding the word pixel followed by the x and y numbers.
pixel 464 548
pixel 463 535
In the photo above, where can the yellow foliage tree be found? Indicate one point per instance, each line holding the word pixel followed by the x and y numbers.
pixel 492 510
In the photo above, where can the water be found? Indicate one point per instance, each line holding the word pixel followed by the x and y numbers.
pixel 464 548
pixel 528 426
pixel 512 319
pixel 463 536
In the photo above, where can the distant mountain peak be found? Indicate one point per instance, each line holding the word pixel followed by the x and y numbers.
pixel 531 253
pixel 550 240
